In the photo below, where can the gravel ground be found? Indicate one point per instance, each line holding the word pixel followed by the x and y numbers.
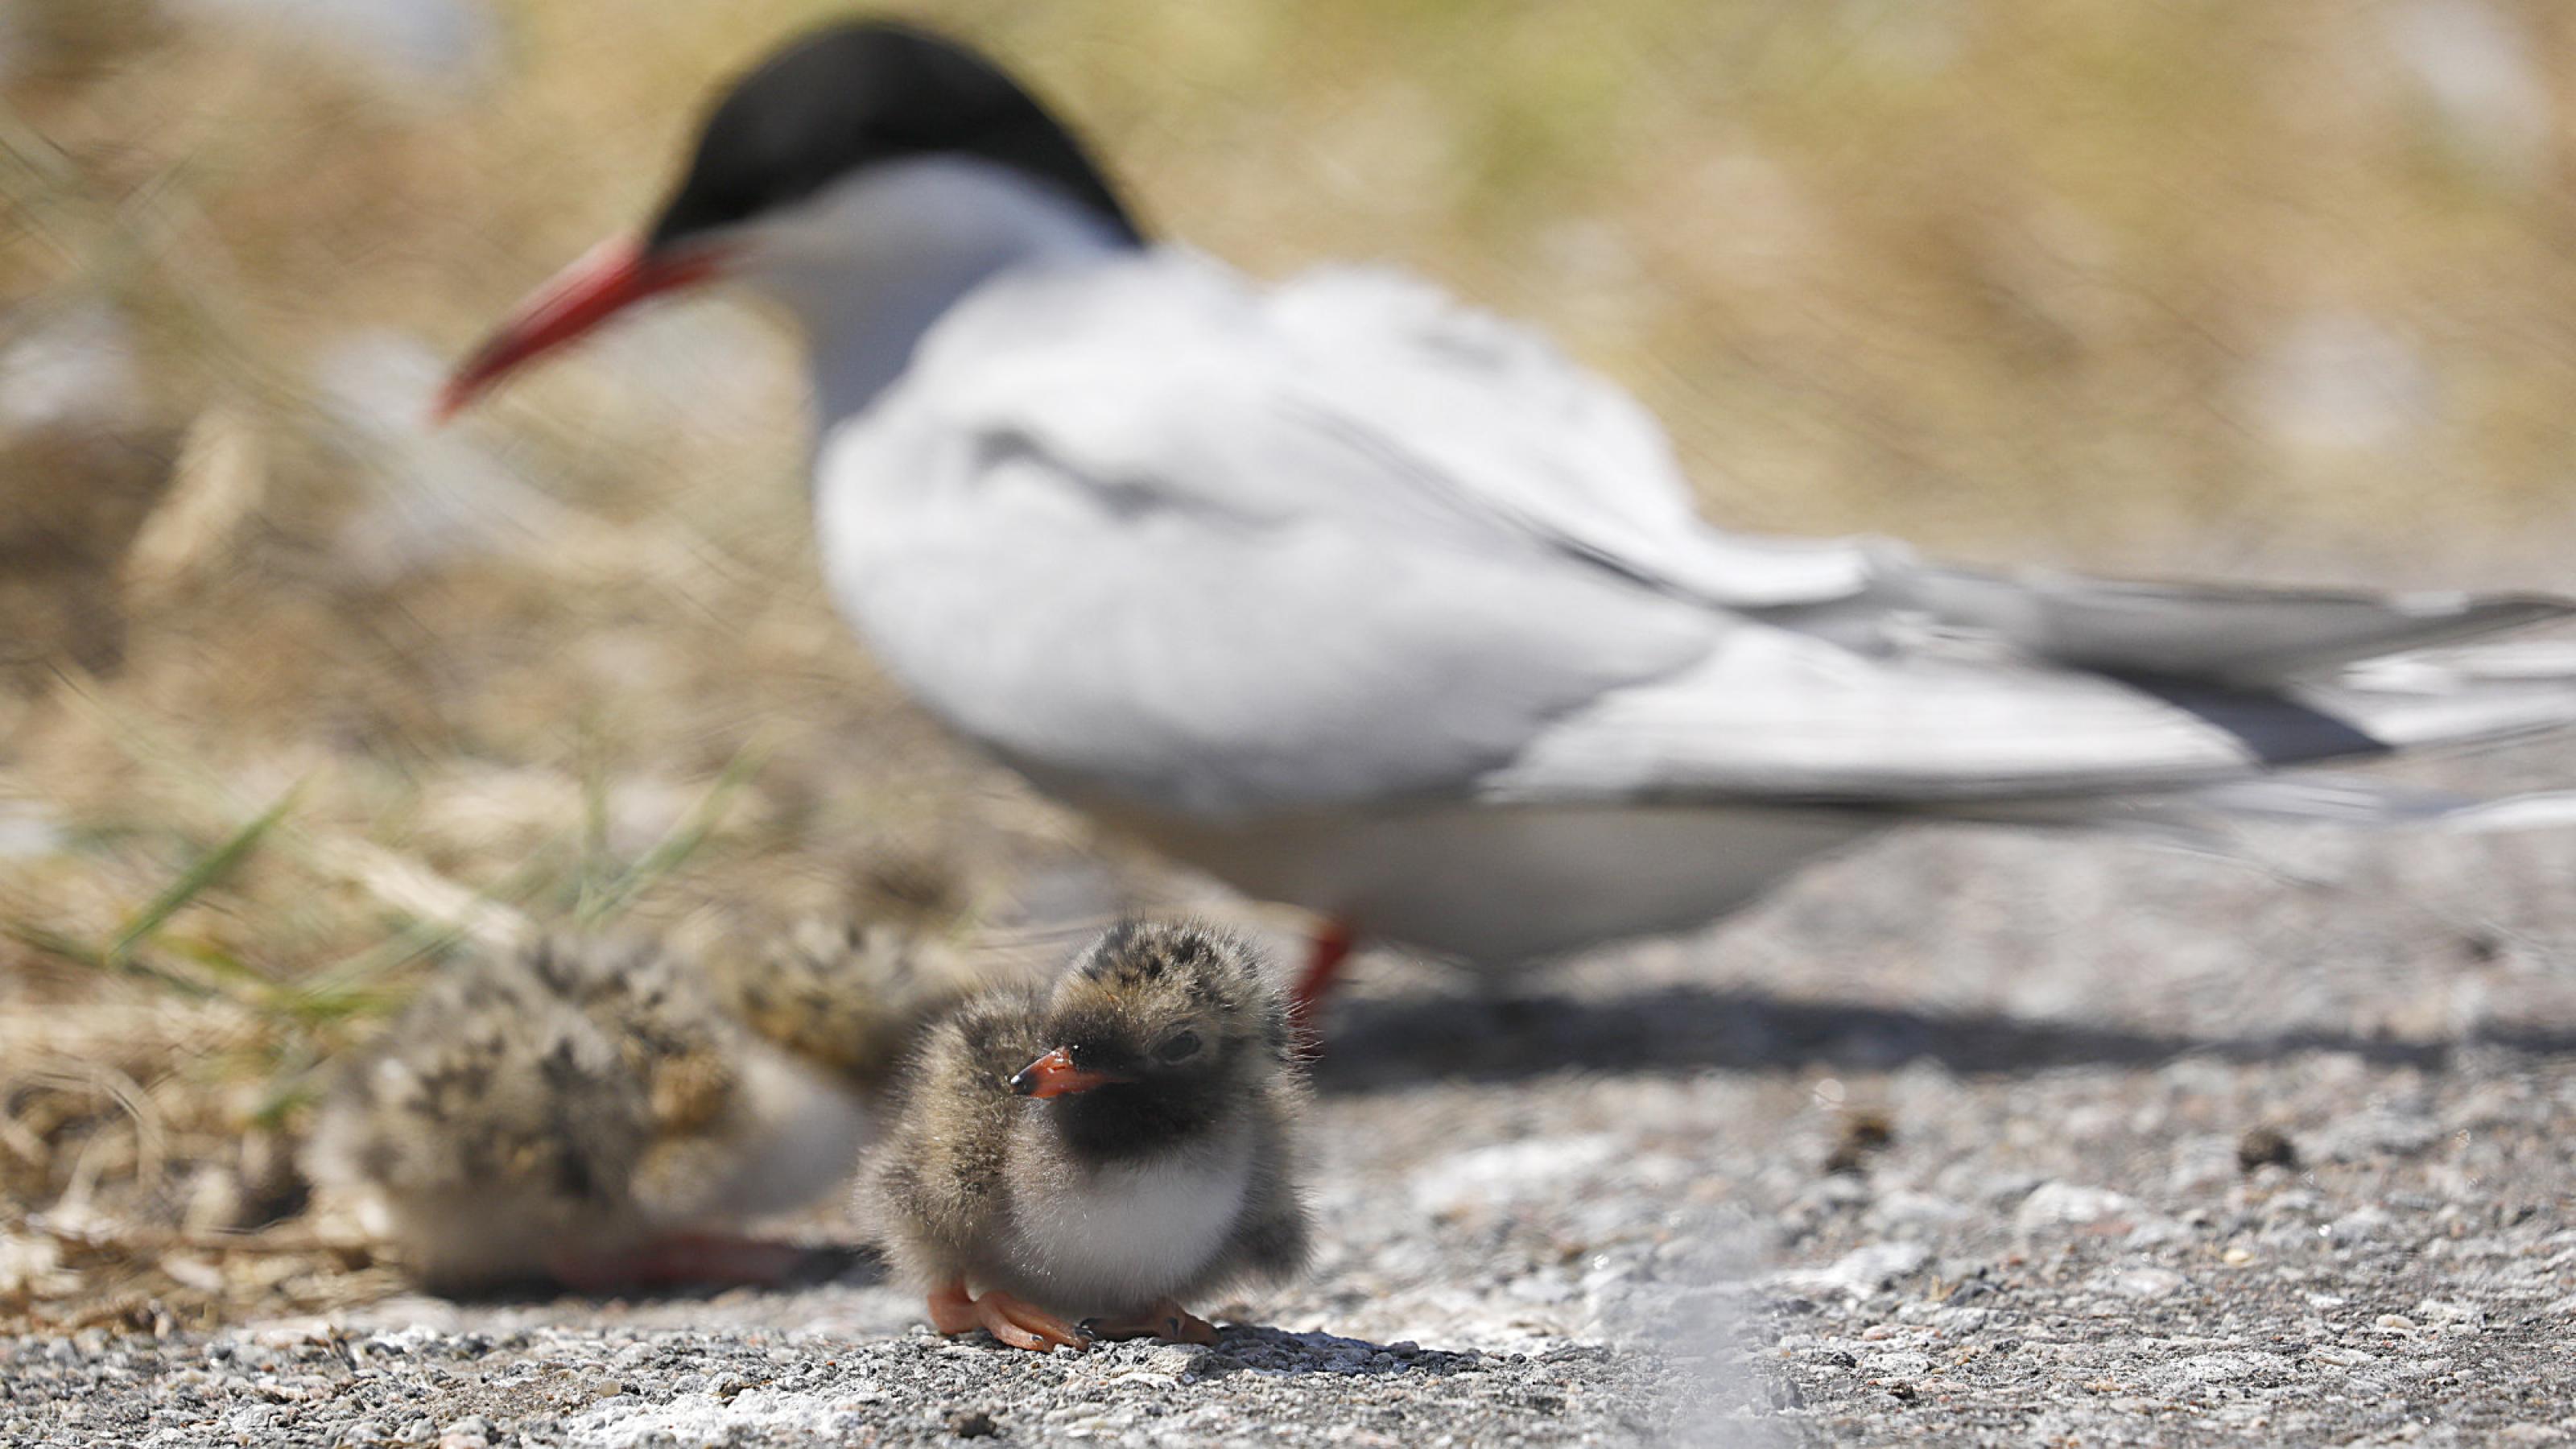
pixel 1982 1137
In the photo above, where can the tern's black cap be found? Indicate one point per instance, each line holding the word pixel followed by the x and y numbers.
pixel 855 94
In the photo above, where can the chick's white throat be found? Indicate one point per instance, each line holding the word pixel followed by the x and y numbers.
pixel 1110 1238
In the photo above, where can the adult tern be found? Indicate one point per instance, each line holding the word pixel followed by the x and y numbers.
pixel 1368 602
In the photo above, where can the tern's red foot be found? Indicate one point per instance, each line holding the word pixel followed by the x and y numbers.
pixel 678 1258
pixel 1166 1320
pixel 1019 1324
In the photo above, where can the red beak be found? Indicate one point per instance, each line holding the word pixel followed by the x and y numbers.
pixel 1055 1075
pixel 610 278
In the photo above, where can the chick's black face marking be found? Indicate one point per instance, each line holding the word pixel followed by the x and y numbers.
pixel 855 95
pixel 1158 1107
pixel 1181 1019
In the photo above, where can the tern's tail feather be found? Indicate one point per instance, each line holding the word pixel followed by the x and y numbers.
pixel 2241 636
pixel 1776 715
pixel 2460 697
pixel 2468 696
pixel 2302 676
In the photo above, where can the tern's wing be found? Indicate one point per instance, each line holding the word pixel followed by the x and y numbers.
pixel 1113 559
pixel 1287 553
pixel 1952 684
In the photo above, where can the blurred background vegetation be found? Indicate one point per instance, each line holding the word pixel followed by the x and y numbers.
pixel 295 697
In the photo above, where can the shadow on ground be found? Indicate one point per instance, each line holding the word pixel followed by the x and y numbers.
pixel 856 1265
pixel 1373 1045
pixel 1242 1348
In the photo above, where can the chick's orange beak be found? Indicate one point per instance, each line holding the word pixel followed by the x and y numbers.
pixel 1055 1075
pixel 610 278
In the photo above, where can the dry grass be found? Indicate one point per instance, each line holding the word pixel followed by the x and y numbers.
pixel 294 701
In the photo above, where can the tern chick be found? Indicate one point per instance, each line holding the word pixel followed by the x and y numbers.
pixel 580 1111
pixel 1073 1163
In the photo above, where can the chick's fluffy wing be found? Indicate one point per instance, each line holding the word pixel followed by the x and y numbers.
pixel 938 1181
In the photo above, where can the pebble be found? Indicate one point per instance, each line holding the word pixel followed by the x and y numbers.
pixel 2266 1147
pixel 1896 1365
pixel 1863 1271
pixel 2146 1284
pixel 2055 1205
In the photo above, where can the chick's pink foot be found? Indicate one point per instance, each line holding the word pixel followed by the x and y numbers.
pixel 1166 1320
pixel 1020 1324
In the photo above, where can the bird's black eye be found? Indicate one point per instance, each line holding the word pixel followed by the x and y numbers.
pixel 1180 1046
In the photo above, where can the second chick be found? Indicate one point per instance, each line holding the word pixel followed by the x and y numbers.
pixel 603 1113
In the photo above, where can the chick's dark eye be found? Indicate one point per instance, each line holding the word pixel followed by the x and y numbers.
pixel 1180 1046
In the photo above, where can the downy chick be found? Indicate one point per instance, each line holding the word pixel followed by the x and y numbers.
pixel 582 1111
pixel 1073 1163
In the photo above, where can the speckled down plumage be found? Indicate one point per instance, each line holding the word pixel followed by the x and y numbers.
pixel 572 1097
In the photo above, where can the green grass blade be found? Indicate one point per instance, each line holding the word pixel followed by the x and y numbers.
pixel 38 938
pixel 206 872
pixel 674 849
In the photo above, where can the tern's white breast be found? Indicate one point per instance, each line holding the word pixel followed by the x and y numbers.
pixel 1117 1238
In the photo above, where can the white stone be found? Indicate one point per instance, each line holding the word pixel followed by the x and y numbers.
pixel 1860 1272
pixel 2067 1204
pixel 2144 1283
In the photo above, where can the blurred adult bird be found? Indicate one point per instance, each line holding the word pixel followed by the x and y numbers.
pixel 1376 605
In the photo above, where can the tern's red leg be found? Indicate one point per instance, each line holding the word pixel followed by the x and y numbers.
pixel 1166 1320
pixel 1016 1323
pixel 1332 947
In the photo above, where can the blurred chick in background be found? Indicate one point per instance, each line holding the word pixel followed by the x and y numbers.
pixel 597 1114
